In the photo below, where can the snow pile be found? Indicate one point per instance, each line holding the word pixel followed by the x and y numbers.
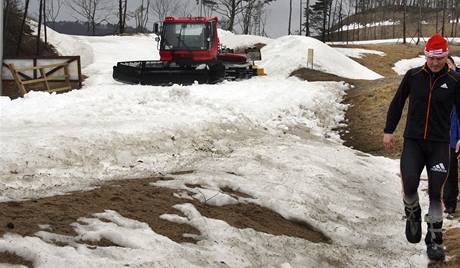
pixel 289 53
pixel 139 47
pixel 358 52
pixel 86 143
pixel 402 66
pixel 66 45
pixel 234 41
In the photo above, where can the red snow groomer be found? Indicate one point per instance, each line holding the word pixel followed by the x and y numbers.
pixel 189 52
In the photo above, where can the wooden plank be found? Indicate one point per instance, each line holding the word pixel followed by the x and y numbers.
pixel 49 78
pixel 42 67
pixel 17 79
pixel 43 74
pixel 60 89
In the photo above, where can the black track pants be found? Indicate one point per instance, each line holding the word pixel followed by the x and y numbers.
pixel 418 154
pixel 451 186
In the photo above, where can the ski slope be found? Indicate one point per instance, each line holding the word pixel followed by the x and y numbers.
pixel 274 133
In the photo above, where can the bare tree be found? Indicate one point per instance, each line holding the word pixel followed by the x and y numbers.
pixel 1 42
pixel 45 23
pixel 21 32
pixel 52 10
pixel 164 8
pixel 39 27
pixel 229 10
pixel 307 12
pixel 93 11
pixel 122 6
pixel 290 17
pixel 141 15
pixel 248 13
pixel 404 21
pixel 444 7
pixel 300 17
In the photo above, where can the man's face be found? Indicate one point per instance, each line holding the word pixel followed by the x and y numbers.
pixel 436 63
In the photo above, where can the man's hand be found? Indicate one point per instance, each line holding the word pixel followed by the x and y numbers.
pixel 389 141
pixel 457 148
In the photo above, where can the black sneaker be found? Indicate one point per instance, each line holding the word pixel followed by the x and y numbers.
pixel 435 252
pixel 433 239
pixel 413 222
pixel 449 210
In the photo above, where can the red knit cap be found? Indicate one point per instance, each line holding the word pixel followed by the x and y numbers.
pixel 436 46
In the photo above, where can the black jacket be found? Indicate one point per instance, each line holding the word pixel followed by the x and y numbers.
pixel 431 98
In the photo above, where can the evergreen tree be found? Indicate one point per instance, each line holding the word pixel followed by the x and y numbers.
pixel 320 13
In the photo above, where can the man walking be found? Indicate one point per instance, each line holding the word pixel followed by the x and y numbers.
pixel 432 90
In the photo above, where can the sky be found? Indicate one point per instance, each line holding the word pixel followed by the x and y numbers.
pixel 271 137
pixel 277 14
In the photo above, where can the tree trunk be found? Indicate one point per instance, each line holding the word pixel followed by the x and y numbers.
pixel 5 18
pixel 121 28
pixel 419 23
pixel 452 16
pixel 290 17
pixel 340 22
pixel 394 21
pixel 457 4
pixel 404 22
pixel 323 34
pixel 382 30
pixel 124 14
pixel 443 17
pixel 40 9
pixel 356 23
pixel 1 42
pixel 300 18
pixel 329 20
pixel 21 32
pixel 307 19
pixel 232 16
pixel 437 17
pixel 44 22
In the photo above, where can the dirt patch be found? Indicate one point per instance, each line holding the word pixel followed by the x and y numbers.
pixel 315 75
pixel 135 199
pixel 138 199
pixel 234 193
pixel 452 242
pixel 383 64
pixel 11 258
pixel 366 115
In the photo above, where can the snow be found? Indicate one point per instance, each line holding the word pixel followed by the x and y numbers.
pixel 353 26
pixel 289 53
pixel 358 52
pixel 404 65
pixel 276 134
pixel 232 40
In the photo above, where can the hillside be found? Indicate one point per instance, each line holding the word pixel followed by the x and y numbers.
pixel 11 36
pixel 383 18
